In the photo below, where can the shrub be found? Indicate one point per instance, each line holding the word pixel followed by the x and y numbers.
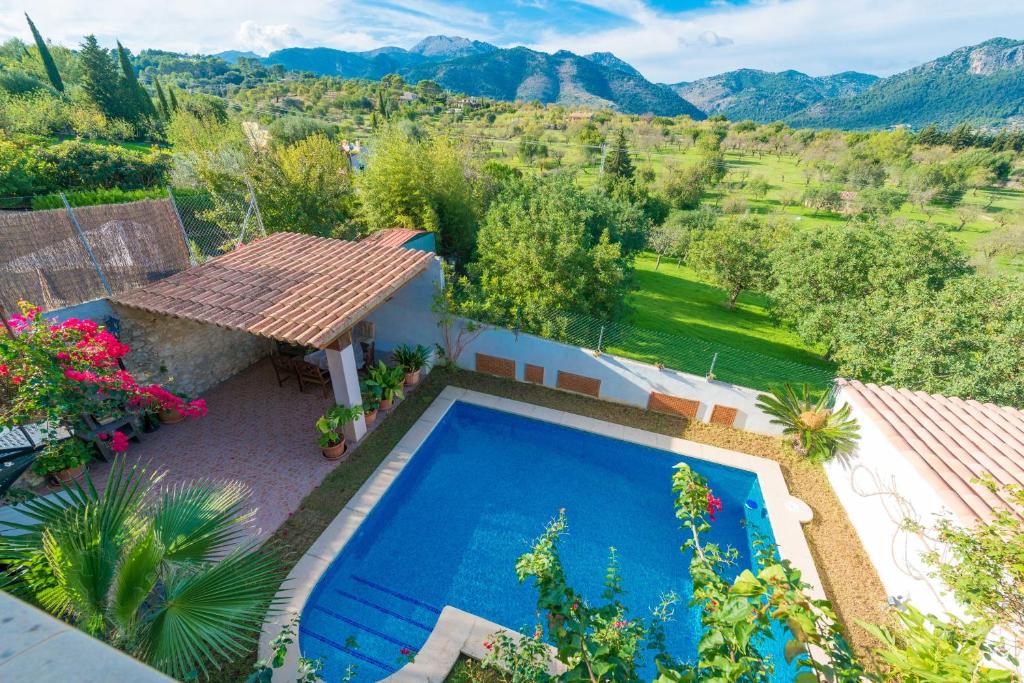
pixel 76 164
pixel 817 431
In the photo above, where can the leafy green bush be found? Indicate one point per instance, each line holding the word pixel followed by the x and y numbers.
pixel 113 195
pixel 77 164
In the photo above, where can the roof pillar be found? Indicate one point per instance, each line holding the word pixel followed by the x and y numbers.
pixel 345 381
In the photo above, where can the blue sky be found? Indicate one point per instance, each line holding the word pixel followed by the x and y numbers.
pixel 667 40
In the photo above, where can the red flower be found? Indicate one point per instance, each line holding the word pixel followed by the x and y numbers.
pixel 405 651
pixel 488 645
pixel 714 505
pixel 17 379
pixel 119 443
pixel 103 436
pixel 4 370
pixel 621 624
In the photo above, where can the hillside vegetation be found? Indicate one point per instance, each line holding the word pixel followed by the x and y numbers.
pixel 764 96
pixel 982 85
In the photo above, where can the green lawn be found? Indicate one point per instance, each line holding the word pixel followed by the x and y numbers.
pixel 690 314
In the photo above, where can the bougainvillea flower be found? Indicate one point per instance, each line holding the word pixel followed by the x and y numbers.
pixel 119 444
pixel 714 505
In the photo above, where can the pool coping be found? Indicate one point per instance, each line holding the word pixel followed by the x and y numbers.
pixel 458 632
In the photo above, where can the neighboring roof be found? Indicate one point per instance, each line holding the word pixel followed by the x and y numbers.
pixel 393 237
pixel 950 441
pixel 295 288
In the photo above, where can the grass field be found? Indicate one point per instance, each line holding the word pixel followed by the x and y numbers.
pixel 692 323
pixel 785 176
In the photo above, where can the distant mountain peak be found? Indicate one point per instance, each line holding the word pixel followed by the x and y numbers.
pixel 981 85
pixel 768 96
pixel 611 61
pixel 232 56
pixel 450 47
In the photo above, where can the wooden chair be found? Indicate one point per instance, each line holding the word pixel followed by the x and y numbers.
pixel 314 375
pixel 284 369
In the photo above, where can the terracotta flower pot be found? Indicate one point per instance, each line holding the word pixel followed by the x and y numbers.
pixel 68 475
pixel 412 378
pixel 171 416
pixel 387 403
pixel 334 452
pixel 370 416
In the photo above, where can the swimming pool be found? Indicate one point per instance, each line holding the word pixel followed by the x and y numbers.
pixel 471 500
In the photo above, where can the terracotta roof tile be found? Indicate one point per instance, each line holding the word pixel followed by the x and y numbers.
pixel 296 288
pixel 950 441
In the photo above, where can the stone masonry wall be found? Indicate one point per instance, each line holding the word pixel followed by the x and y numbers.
pixel 190 357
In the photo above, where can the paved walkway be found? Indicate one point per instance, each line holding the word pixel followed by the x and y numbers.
pixel 254 432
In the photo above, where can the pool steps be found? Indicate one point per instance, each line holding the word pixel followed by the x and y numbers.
pixel 363 639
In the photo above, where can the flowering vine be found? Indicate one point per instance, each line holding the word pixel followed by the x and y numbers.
pixel 56 372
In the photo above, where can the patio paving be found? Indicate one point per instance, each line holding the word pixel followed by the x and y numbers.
pixel 254 432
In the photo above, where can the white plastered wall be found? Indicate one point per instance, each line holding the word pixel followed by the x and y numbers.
pixel 879 489
pixel 406 318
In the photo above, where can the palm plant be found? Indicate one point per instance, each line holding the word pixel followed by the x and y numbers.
pixel 386 382
pixel 158 573
pixel 817 431
pixel 411 358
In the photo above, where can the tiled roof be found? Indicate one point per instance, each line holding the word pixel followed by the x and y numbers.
pixel 393 237
pixel 950 441
pixel 295 288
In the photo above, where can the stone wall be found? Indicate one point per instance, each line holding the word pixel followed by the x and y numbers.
pixel 190 357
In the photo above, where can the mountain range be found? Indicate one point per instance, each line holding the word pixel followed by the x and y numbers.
pixel 766 96
pixel 981 85
pixel 518 73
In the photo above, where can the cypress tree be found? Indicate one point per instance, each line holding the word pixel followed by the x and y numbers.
pixel 165 111
pixel 44 54
pixel 133 90
pixel 99 78
pixel 618 164
pixel 172 98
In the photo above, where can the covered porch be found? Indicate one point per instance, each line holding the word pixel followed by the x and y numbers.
pixel 297 290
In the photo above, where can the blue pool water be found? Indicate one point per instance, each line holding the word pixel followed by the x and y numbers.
pixel 471 501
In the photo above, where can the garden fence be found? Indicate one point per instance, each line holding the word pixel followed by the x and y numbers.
pixel 61 257
pixel 683 353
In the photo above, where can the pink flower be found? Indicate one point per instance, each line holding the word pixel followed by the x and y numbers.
pixel 621 624
pixel 120 443
pixel 103 436
pixel 17 379
pixel 714 505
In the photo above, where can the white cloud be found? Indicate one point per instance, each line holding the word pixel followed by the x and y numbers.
pixel 264 39
pixel 712 39
pixel 815 36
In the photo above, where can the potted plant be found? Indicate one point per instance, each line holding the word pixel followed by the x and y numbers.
pixel 171 413
pixel 412 360
pixel 387 383
pixel 371 403
pixel 150 419
pixel 332 443
pixel 63 461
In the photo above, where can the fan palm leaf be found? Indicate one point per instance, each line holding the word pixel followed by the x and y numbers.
pixel 209 612
pixel 198 521
pixel 816 430
pixel 139 567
